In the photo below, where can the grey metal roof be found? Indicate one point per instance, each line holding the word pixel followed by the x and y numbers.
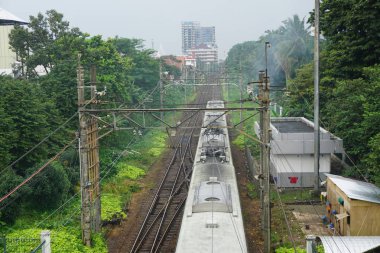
pixel 212 196
pixel 7 18
pixel 292 126
pixel 351 244
pixel 356 189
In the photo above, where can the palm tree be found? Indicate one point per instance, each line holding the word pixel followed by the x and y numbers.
pixel 293 47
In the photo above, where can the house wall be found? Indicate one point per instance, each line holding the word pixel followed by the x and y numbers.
pixel 365 220
pixel 7 56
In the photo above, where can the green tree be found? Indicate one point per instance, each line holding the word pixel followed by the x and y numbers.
pixel 293 46
pixel 47 40
pixel 145 70
pixel 51 189
pixel 352 31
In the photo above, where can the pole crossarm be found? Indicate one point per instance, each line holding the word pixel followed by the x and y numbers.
pixel 124 110
pixel 162 121
pixel 133 121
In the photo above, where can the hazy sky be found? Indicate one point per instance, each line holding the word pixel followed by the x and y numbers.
pixel 235 21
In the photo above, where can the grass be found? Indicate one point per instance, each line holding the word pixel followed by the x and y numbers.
pixel 252 191
pixel 280 233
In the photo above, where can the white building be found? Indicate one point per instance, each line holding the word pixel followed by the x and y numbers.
pixel 7 56
pixel 292 151
pixel 204 53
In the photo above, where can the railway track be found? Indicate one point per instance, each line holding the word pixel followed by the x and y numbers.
pixel 160 225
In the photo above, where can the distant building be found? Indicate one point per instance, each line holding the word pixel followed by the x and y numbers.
pixel 353 206
pixel 199 42
pixel 7 57
pixel 206 36
pixel 204 53
pixel 292 151
pixel 190 35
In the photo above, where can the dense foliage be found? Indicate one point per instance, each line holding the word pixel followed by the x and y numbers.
pixel 290 47
pixel 43 98
pixel 349 87
pixel 349 81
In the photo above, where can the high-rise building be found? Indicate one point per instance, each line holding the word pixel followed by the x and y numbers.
pixel 199 42
pixel 190 34
pixel 206 36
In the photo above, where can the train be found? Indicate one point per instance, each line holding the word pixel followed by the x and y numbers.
pixel 212 219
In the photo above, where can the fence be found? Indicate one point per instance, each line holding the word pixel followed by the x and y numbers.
pixel 29 245
pixel 276 109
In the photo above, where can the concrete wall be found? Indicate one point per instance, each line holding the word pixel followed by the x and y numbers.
pixel 297 170
pixel 7 56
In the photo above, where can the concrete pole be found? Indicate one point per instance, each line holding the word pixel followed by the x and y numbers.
pixel 45 237
pixel 316 99
pixel 94 169
pixel 266 165
pixel 310 244
pixel 83 157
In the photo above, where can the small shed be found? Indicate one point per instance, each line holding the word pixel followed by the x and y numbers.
pixel 351 244
pixel 292 151
pixel 352 206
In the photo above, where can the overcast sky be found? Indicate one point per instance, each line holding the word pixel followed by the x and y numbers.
pixel 159 21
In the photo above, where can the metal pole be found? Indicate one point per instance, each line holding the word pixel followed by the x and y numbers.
pixel 241 96
pixel 316 98
pixel 260 97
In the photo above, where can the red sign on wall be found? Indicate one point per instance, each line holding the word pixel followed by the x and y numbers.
pixel 293 180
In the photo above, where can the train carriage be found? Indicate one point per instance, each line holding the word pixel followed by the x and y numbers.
pixel 212 220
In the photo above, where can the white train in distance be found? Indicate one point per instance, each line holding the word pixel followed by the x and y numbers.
pixel 212 219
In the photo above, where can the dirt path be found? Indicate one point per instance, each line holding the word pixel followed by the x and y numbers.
pixel 250 207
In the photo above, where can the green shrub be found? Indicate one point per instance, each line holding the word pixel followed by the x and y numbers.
pixel 111 205
pixel 129 171
pixel 239 141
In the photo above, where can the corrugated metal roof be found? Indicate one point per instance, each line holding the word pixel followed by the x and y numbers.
pixel 355 189
pixel 7 18
pixel 350 244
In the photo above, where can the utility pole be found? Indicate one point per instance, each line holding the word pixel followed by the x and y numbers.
pixel 89 161
pixel 94 171
pixel 266 163
pixel 161 93
pixel 241 95
pixel 266 134
pixel 261 166
pixel 316 98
